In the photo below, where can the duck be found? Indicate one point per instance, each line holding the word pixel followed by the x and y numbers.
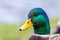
pixel 39 20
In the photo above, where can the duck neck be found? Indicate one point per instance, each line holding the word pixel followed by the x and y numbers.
pixel 42 30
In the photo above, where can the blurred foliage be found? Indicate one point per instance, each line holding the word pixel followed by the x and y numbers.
pixel 11 32
pixel 53 23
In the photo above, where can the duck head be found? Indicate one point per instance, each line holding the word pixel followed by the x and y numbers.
pixel 37 18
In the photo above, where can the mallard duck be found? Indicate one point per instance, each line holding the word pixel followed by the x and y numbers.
pixel 37 18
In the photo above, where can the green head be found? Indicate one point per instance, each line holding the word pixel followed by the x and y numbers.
pixel 39 20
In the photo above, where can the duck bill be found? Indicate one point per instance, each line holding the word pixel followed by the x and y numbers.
pixel 27 25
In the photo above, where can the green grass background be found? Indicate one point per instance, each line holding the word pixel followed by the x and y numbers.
pixel 11 32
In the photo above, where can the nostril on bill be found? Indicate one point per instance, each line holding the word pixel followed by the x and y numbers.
pixel 20 29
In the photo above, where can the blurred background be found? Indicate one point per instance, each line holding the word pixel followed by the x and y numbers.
pixel 13 13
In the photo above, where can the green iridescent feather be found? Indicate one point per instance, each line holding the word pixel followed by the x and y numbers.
pixel 40 21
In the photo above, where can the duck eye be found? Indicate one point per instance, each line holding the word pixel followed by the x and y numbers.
pixel 36 14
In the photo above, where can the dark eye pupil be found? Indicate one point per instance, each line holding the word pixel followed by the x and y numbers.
pixel 35 14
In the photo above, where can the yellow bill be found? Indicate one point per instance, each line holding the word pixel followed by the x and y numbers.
pixel 27 25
